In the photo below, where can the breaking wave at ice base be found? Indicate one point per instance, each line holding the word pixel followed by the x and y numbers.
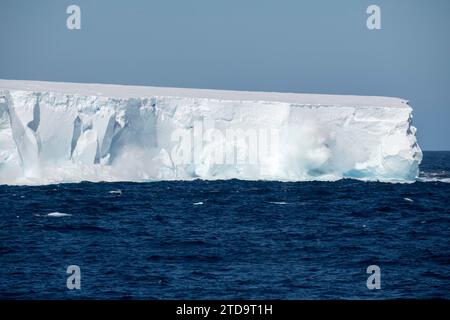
pixel 308 162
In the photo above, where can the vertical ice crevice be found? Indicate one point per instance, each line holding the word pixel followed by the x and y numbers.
pixel 75 135
pixel 111 129
pixel 26 143
pixel 34 124
pixel 10 163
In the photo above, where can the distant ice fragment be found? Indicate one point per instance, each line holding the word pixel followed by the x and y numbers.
pixel 58 214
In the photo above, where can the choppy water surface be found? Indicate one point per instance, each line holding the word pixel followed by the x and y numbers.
pixel 229 239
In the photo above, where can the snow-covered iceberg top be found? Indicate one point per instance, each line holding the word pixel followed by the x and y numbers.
pixel 67 132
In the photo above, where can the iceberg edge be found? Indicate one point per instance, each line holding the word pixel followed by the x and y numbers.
pixel 66 132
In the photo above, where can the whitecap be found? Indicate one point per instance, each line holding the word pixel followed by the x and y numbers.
pixel 197 203
pixel 278 202
pixel 119 192
pixel 408 199
pixel 428 179
pixel 58 214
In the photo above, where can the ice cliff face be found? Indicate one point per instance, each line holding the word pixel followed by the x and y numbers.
pixel 57 132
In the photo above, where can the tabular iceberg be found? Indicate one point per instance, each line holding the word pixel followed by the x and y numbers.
pixel 67 132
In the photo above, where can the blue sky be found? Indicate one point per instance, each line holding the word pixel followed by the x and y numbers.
pixel 312 46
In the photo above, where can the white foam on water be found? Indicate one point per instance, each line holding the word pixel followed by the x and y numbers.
pixel 429 179
pixel 58 214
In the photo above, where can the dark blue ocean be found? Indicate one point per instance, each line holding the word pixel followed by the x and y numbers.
pixel 229 239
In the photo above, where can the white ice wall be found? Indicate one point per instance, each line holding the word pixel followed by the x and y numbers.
pixel 73 132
